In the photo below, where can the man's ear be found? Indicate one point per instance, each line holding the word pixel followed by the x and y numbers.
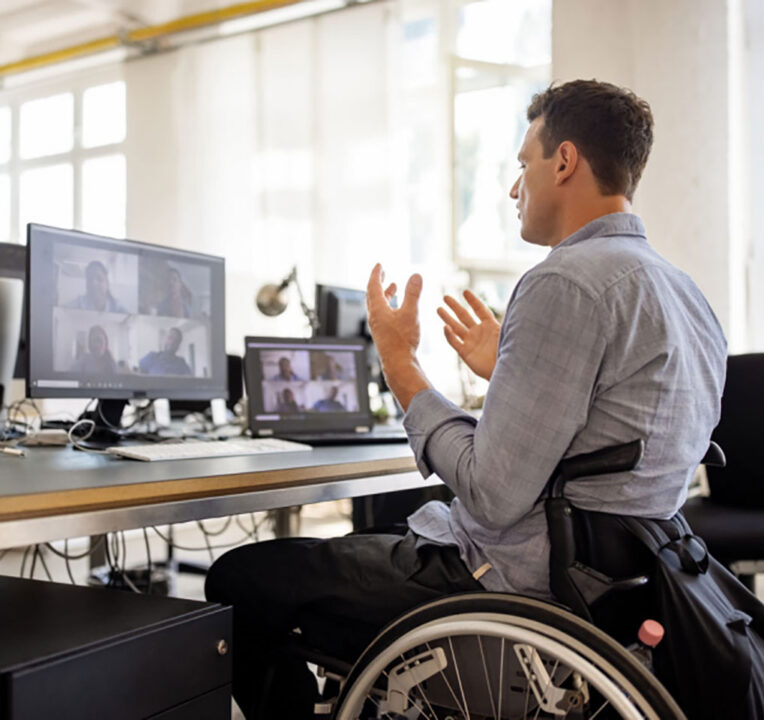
pixel 566 161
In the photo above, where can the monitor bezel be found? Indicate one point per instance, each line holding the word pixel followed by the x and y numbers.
pixel 219 390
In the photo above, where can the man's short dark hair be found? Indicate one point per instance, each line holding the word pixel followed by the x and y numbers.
pixel 610 126
pixel 95 265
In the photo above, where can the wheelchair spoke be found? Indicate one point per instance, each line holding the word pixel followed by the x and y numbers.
pixel 459 678
pixel 487 677
pixel 448 685
pixel 527 700
pixel 600 709
pixel 424 697
pixel 549 685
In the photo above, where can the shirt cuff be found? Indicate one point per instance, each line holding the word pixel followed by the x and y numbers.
pixel 427 413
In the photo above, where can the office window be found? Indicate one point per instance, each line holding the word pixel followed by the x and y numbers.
pixel 503 58
pixel 46 126
pixel 516 33
pixel 103 115
pixel 62 159
pixel 5 135
pixel 45 196
pixel 103 195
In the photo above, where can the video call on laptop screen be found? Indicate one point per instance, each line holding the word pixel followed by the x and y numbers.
pixel 306 385
pixel 122 319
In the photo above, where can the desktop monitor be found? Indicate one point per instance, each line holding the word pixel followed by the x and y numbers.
pixel 341 312
pixel 13 264
pixel 118 319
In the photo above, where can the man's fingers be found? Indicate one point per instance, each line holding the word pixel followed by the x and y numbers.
pixel 413 291
pixel 452 340
pixel 460 311
pixel 374 294
pixel 390 292
pixel 481 309
pixel 452 323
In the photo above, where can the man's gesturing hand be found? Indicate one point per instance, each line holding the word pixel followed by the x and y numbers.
pixel 395 332
pixel 477 342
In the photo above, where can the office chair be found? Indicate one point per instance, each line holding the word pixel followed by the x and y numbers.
pixel 731 518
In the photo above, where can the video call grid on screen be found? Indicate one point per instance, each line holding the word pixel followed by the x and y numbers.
pixel 122 319
pixel 307 384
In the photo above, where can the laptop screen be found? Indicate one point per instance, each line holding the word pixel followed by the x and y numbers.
pixel 306 385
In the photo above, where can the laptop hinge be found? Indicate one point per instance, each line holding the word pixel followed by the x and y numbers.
pixel 265 431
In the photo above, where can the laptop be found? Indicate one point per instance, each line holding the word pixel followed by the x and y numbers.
pixel 312 390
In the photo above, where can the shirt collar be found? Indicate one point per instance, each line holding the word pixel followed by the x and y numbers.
pixel 604 226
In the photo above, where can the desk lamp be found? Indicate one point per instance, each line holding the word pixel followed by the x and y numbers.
pixel 272 299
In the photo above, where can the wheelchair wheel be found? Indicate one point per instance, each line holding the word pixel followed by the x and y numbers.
pixel 504 657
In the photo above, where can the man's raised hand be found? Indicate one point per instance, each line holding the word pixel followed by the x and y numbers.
pixel 395 330
pixel 476 341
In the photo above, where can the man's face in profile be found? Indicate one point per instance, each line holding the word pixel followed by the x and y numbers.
pixel 97 285
pixel 333 392
pixel 285 367
pixel 534 190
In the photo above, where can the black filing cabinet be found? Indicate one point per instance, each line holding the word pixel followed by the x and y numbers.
pixel 71 652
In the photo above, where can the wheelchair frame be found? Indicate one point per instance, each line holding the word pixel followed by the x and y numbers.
pixel 412 651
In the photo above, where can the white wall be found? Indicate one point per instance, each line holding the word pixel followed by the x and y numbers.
pixel 754 72
pixel 673 54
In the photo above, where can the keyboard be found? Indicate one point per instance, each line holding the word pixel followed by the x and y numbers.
pixel 191 449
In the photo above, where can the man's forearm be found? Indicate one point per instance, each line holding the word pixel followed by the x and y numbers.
pixel 404 377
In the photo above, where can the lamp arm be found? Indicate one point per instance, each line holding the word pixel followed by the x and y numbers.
pixel 309 312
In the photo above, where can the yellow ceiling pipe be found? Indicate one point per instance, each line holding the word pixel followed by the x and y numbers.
pixel 152 32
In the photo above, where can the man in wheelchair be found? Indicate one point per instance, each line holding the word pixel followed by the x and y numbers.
pixel 603 342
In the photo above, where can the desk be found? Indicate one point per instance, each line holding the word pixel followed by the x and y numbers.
pixel 56 493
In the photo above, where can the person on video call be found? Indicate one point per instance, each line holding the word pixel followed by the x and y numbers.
pixel 285 370
pixel 97 360
pixel 603 342
pixel 175 303
pixel 333 371
pixel 330 402
pixel 97 295
pixel 287 402
pixel 166 361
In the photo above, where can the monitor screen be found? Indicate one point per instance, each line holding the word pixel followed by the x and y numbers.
pixel 120 319
pixel 13 264
pixel 306 385
pixel 341 311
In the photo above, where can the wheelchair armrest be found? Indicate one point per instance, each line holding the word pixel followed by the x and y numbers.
pixel 714 456
pixel 613 459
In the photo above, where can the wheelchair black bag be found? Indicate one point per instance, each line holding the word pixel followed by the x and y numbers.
pixel 712 656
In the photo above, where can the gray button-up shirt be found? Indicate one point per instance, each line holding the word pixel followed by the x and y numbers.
pixel 603 342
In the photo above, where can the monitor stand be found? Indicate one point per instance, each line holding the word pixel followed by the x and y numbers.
pixel 107 417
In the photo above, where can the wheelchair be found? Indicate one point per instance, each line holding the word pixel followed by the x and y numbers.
pixel 485 655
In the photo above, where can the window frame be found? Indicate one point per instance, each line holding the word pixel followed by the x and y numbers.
pixel 76 84
pixel 490 75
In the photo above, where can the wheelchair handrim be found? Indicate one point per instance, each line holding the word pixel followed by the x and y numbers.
pixel 619 691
